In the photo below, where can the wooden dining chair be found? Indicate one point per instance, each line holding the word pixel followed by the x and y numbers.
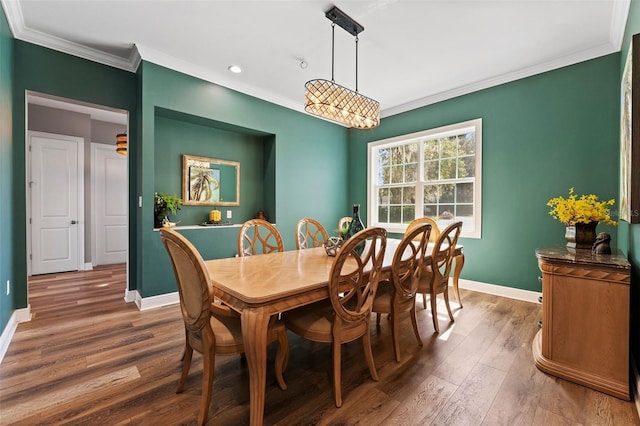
pixel 458 259
pixel 210 327
pixel 435 234
pixel 310 233
pixel 398 293
pixel 258 236
pixel 353 282
pixel 434 280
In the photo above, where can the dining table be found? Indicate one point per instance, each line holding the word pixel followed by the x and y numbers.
pixel 264 285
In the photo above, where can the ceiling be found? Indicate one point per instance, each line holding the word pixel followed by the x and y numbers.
pixel 412 53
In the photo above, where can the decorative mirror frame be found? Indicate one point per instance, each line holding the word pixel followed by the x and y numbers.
pixel 204 169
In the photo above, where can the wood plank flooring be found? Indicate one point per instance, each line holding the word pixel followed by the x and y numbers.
pixel 87 357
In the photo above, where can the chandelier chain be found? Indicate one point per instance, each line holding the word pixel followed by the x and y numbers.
pixel 356 64
pixel 333 44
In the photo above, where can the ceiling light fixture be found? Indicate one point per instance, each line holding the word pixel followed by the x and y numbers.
pixel 329 100
pixel 121 143
pixel 235 69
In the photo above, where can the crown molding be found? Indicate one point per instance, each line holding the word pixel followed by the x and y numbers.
pixel 15 18
pixel 160 58
pixel 619 18
pixel 572 59
pixel 618 23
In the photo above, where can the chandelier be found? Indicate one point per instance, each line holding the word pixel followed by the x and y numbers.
pixel 334 102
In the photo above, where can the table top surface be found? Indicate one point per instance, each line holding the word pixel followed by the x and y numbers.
pixel 268 277
pixel 583 256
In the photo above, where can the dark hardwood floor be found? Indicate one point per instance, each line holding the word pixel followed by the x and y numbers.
pixel 87 357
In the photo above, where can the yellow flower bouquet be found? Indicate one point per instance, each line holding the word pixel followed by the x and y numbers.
pixel 585 209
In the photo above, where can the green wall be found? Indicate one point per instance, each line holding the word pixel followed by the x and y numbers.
pixel 304 157
pixel 541 136
pixel 47 71
pixel 181 135
pixel 6 176
pixel 629 235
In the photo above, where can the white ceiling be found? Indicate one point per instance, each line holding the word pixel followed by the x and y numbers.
pixel 411 53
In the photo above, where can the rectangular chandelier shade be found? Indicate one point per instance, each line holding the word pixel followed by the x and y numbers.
pixel 121 143
pixel 326 99
pixel 334 102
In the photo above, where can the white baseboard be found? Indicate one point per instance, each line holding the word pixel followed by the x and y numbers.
pixel 88 267
pixel 18 316
pixel 130 295
pixel 156 301
pixel 498 290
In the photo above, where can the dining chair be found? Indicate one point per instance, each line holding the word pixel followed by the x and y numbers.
pixel 435 231
pixel 210 327
pixel 344 317
pixel 258 236
pixel 434 280
pixel 310 233
pixel 398 293
pixel 435 234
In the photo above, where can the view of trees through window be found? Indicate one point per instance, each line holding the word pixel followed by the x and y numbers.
pixel 428 175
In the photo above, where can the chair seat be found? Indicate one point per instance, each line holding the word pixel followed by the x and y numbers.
pixel 384 297
pixel 315 322
pixel 228 331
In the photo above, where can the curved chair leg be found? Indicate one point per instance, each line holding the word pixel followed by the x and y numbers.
pixel 368 354
pixel 446 302
pixel 282 358
pixel 209 366
pixel 434 312
pixel 459 259
pixel 395 335
pixel 424 300
pixel 414 323
pixel 337 386
pixel 378 318
pixel 186 365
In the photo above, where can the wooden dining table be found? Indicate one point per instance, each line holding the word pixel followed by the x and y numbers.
pixel 264 285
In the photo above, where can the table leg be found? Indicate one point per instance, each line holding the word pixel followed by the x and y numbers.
pixel 456 275
pixel 254 333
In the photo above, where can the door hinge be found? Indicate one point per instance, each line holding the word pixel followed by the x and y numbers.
pixel 29 221
pixel 30 257
pixel 29 148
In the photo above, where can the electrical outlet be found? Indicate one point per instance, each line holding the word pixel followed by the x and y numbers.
pixel 229 214
pixel 8 287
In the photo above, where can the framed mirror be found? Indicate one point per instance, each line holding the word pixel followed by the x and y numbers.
pixel 210 181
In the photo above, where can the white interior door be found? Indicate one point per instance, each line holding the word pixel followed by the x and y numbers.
pixel 110 212
pixel 56 182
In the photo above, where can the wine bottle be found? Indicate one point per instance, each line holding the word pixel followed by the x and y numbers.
pixel 356 224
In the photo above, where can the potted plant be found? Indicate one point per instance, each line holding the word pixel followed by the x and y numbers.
pixel 162 205
pixel 581 215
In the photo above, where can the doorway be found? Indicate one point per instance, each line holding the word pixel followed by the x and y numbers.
pixel 62 195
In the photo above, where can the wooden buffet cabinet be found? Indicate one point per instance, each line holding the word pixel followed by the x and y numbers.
pixel 585 319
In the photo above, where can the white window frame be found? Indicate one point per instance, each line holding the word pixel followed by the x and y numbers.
pixel 440 132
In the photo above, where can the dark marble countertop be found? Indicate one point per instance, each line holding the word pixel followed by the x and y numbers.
pixel 584 256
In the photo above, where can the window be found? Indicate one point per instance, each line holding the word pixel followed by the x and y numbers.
pixel 434 173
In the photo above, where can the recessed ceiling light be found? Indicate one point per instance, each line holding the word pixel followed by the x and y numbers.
pixel 235 69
